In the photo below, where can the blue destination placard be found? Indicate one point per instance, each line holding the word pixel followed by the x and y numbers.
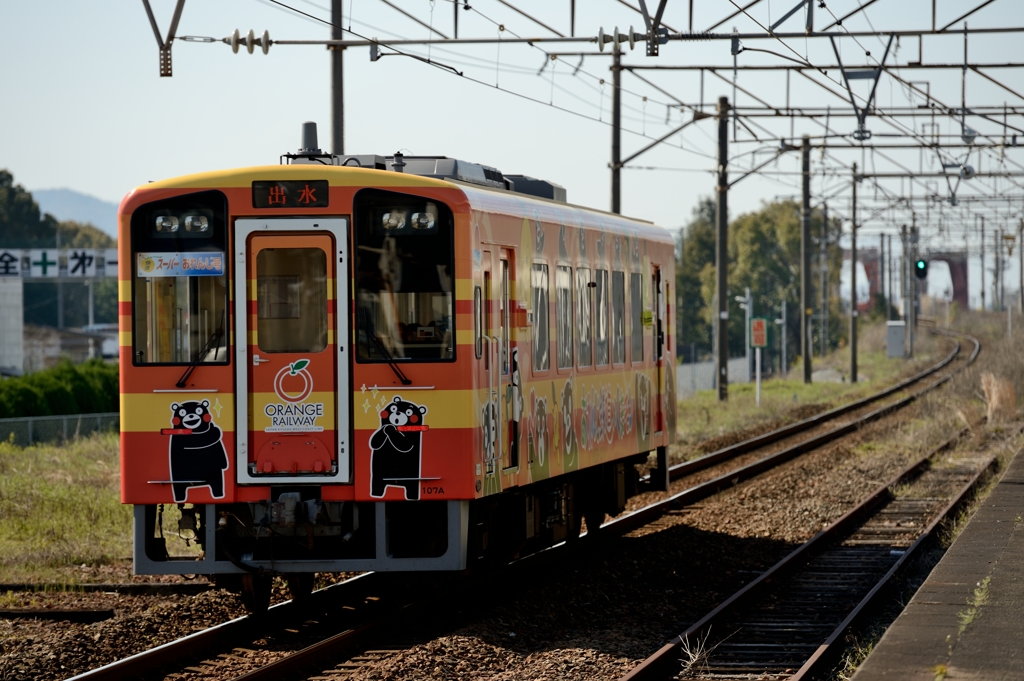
pixel 206 264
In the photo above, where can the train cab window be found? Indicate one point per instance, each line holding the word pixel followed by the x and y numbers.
pixel 404 275
pixel 291 300
pixel 563 315
pixel 541 312
pixel 601 326
pixel 179 286
pixel 584 318
pixel 636 317
pixel 618 317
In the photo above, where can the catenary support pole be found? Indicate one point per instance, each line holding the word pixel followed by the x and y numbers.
pixel 853 279
pixel 616 129
pixel 337 83
pixel 805 259
pixel 785 338
pixel 823 286
pixel 981 255
pixel 722 252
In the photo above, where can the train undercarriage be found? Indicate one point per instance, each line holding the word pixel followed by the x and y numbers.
pixel 296 534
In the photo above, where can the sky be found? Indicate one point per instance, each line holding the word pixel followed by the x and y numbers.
pixel 85 107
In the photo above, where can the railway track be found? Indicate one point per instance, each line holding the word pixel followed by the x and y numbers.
pixel 790 622
pixel 786 623
pixel 325 643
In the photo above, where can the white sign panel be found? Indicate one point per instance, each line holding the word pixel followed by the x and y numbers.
pixel 81 263
pixel 43 262
pixel 110 260
pixel 10 263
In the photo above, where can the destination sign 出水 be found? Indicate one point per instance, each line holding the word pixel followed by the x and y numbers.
pixel 290 194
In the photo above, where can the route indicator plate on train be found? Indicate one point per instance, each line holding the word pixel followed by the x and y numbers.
pixel 290 194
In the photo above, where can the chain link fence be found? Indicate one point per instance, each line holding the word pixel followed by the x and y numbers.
pixel 35 429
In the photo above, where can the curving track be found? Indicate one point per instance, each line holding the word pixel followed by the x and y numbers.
pixel 789 623
pixel 369 610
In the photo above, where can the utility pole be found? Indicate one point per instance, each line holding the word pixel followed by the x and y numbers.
pixel 823 293
pixel 881 270
pixel 888 289
pixel 617 128
pixel 853 279
pixel 805 258
pixel 913 282
pixel 981 254
pixel 338 83
pixel 722 250
pixel 905 287
pixel 1020 270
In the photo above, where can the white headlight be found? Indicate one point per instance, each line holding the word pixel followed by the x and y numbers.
pixel 393 220
pixel 196 223
pixel 422 221
pixel 166 223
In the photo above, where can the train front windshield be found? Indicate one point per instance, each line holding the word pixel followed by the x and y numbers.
pixel 179 258
pixel 404 278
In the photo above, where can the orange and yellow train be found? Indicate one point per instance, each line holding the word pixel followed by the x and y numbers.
pixel 368 363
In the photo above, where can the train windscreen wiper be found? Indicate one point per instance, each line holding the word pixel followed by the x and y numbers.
pixel 210 342
pixel 384 351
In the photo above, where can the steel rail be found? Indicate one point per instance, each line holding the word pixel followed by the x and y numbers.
pixel 656 666
pixel 342 643
pixel 825 653
pixel 662 663
pixel 219 634
pixel 232 630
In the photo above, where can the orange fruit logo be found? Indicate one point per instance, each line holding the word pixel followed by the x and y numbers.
pixel 293 383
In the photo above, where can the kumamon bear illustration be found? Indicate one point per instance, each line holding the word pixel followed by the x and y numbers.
pixel 396 445
pixel 198 458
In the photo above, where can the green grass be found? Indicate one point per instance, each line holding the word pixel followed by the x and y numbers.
pixel 60 507
pixel 702 416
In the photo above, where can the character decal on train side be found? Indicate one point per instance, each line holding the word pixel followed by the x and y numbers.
pixel 489 430
pixel 538 234
pixel 537 436
pixel 514 396
pixel 570 451
pixel 396 447
pixel 643 411
pixel 624 412
pixel 197 455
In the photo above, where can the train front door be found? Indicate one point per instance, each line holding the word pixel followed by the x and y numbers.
pixel 292 395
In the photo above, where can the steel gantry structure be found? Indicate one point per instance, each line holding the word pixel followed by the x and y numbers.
pixel 961 117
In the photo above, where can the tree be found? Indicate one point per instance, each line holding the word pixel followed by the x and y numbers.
pixel 697 254
pixel 23 225
pixel 764 255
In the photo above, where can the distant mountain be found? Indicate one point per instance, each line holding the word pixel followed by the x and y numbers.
pixel 67 204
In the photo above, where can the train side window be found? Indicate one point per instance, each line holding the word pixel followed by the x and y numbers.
pixel 584 318
pixel 636 317
pixel 618 317
pixel 478 322
pixel 541 312
pixel 601 317
pixel 563 315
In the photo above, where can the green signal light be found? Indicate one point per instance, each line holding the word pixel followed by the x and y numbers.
pixel 921 269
